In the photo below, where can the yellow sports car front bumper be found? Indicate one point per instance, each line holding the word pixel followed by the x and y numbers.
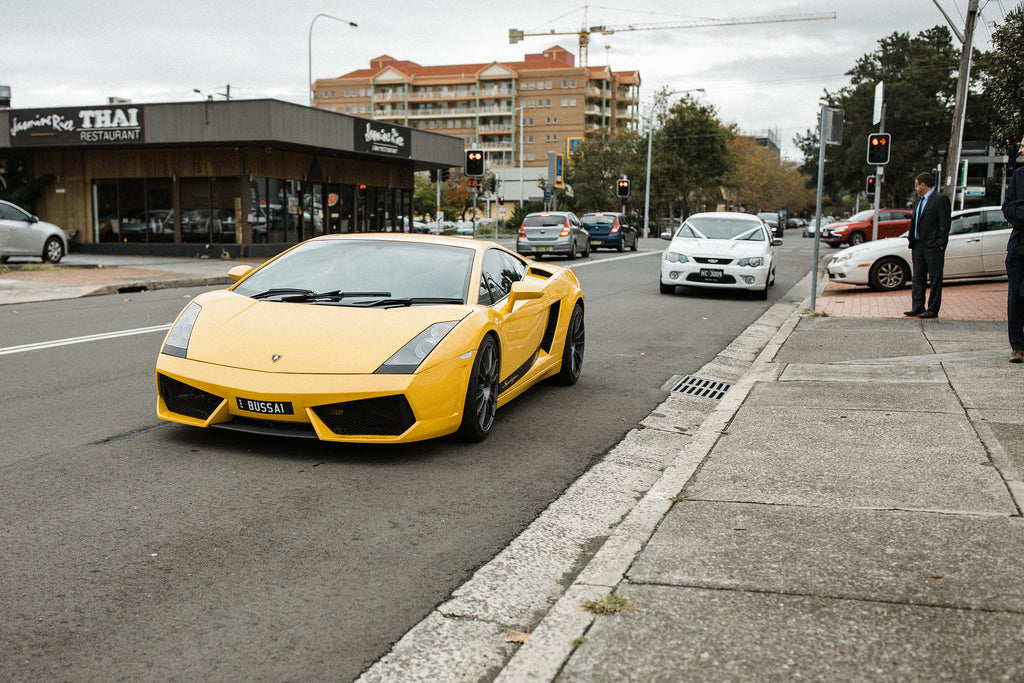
pixel 367 408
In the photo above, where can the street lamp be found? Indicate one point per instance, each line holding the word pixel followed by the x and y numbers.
pixel 650 129
pixel 309 45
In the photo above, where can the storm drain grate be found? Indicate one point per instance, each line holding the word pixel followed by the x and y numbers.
pixel 698 386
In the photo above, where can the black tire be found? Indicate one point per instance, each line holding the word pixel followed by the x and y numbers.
pixel 53 250
pixel 857 238
pixel 572 352
pixel 586 252
pixel 622 244
pixel 481 393
pixel 888 274
pixel 667 289
pixel 634 247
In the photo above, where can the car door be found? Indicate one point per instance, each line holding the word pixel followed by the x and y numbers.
pixel 963 251
pixel 995 233
pixel 521 324
pixel 17 234
pixel 893 223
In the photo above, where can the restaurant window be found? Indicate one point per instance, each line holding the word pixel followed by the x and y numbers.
pixel 210 210
pixel 133 210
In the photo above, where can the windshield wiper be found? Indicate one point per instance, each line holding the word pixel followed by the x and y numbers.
pixel 333 295
pixel 280 291
pixel 410 301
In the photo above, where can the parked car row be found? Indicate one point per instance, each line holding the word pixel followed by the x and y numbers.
pixel 976 248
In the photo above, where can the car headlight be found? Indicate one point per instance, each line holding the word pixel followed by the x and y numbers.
pixel 177 338
pixel 675 257
pixel 839 258
pixel 753 261
pixel 409 357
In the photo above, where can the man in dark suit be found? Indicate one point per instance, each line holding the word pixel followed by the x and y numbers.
pixel 929 234
pixel 1013 210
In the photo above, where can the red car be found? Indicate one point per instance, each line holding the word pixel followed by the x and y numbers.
pixel 857 229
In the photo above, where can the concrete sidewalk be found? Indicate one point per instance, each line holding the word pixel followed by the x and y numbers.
pixel 848 509
pixel 847 506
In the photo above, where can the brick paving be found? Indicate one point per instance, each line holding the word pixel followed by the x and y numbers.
pixel 961 300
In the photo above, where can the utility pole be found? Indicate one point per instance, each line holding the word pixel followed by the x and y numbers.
pixel 960 111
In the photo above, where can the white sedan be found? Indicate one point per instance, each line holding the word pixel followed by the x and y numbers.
pixel 977 248
pixel 721 250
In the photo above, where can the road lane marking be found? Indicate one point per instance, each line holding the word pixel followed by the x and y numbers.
pixel 6 351
pixel 614 258
pixel 39 346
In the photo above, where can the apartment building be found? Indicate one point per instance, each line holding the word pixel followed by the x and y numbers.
pixel 556 102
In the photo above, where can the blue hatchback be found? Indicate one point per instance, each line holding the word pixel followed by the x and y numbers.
pixel 609 231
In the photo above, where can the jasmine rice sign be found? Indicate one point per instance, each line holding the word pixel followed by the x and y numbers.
pixel 382 139
pixel 95 125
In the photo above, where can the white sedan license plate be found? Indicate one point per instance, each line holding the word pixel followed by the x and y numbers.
pixel 711 273
pixel 265 407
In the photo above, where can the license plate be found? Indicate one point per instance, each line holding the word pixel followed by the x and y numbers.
pixel 265 407
pixel 595 243
pixel 711 273
pixel 539 249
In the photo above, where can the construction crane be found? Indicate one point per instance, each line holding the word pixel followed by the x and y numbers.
pixel 515 35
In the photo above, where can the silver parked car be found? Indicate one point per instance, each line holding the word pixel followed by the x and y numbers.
pixel 555 232
pixel 22 234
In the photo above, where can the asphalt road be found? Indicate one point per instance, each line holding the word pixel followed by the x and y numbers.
pixel 134 549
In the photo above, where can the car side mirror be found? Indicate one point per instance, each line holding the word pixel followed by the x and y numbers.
pixel 525 290
pixel 666 236
pixel 776 242
pixel 238 272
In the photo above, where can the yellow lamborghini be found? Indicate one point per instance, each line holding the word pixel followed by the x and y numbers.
pixel 372 338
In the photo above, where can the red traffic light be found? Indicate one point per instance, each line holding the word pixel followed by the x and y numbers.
pixel 878 149
pixel 622 188
pixel 474 162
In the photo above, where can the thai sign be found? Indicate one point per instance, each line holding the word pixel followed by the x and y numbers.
pixel 78 126
pixel 382 138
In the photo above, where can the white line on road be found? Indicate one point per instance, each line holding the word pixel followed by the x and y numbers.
pixel 161 328
pixel 82 340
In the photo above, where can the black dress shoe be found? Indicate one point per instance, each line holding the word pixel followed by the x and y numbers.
pixel 913 314
pixel 928 314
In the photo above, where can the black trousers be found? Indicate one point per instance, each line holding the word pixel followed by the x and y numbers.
pixel 927 266
pixel 1015 300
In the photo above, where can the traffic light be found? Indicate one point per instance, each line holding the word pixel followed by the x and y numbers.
pixel 878 149
pixel 446 175
pixel 870 188
pixel 493 185
pixel 501 201
pixel 622 189
pixel 474 163
pixel 433 175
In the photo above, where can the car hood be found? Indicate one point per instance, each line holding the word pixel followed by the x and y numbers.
pixel 888 245
pixel 693 246
pixel 240 332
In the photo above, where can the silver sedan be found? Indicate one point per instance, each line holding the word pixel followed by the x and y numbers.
pixel 22 234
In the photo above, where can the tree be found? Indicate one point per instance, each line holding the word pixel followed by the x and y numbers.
pixel 920 76
pixel 596 165
pixel 692 158
pixel 760 181
pixel 1002 72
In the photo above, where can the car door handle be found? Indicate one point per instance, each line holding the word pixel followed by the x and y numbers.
pixel 972 241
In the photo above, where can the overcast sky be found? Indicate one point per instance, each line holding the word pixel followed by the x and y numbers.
pixel 760 76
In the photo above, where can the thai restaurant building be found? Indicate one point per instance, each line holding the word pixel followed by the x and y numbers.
pixel 516 112
pixel 249 176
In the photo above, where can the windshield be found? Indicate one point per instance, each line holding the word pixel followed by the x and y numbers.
pixel 598 220
pixel 352 272
pixel 722 229
pixel 862 216
pixel 542 221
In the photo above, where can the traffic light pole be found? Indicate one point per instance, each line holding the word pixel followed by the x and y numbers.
pixel 879 177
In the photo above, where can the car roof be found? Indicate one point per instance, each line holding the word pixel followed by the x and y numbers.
pixel 420 238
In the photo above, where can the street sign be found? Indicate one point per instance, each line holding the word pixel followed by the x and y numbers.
pixel 472 182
